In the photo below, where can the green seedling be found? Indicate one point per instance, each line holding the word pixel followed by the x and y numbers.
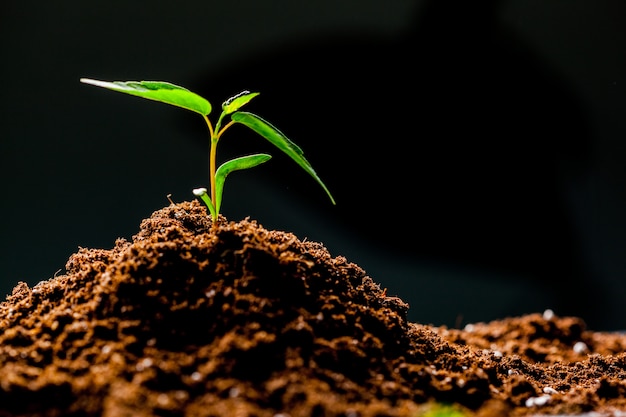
pixel 181 97
pixel 442 410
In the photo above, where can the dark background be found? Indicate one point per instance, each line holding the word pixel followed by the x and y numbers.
pixel 476 152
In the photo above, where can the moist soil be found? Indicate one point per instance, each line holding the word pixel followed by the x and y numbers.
pixel 194 319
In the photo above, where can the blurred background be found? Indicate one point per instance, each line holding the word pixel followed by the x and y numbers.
pixel 477 152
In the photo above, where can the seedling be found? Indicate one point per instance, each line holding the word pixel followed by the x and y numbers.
pixel 181 97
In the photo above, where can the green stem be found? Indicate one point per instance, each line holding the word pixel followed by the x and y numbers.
pixel 213 168
pixel 215 137
pixel 215 134
pixel 212 164
pixel 229 124
pixel 201 192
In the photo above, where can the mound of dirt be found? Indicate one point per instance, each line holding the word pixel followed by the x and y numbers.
pixel 191 319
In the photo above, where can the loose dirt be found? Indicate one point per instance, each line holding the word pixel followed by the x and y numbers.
pixel 194 319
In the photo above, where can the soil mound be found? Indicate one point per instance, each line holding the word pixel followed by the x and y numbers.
pixel 191 319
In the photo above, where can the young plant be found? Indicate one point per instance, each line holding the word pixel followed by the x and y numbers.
pixel 181 97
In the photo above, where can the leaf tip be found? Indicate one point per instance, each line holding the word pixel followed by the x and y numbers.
pixel 93 82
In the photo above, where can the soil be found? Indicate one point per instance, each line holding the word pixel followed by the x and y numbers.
pixel 194 319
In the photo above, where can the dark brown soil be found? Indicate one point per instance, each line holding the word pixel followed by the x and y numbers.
pixel 236 320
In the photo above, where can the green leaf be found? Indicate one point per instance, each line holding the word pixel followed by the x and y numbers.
pixel 158 91
pixel 278 139
pixel 238 101
pixel 243 162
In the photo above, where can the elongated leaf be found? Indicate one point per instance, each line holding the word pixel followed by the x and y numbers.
pixel 278 139
pixel 243 162
pixel 158 91
pixel 238 101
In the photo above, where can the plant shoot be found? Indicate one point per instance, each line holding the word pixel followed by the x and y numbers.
pixel 174 95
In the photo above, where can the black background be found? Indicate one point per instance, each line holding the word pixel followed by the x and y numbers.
pixel 476 152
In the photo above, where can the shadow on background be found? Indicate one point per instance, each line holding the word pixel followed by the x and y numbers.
pixel 453 143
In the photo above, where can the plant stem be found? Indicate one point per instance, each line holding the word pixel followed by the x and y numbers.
pixel 212 169
pixel 215 135
pixel 229 124
pixel 212 162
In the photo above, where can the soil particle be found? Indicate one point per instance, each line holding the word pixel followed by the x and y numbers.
pixel 194 319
